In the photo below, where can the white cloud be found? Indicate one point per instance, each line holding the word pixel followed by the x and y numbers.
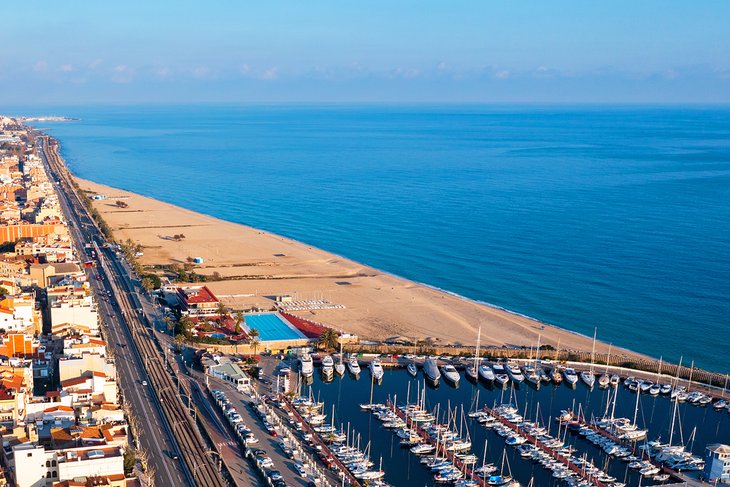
pixel 40 66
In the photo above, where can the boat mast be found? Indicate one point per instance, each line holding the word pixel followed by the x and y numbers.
pixel 593 351
pixel 676 403
pixel 476 357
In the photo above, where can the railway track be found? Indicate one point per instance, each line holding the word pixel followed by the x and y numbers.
pixel 203 468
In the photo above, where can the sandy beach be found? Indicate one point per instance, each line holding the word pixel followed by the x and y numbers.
pixel 258 265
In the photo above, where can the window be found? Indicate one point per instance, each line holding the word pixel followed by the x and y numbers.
pixel 54 474
pixel 48 463
pixel 30 455
pixel 53 463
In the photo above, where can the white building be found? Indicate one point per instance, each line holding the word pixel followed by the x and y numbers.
pixel 34 466
pixel 74 310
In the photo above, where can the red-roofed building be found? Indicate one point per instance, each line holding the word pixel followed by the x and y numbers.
pixel 198 301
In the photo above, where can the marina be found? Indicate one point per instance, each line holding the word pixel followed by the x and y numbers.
pixel 540 449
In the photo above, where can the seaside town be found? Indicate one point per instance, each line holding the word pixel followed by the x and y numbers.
pixel 118 373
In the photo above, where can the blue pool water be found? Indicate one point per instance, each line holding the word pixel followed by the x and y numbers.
pixel 271 327
pixel 614 217
pixel 218 335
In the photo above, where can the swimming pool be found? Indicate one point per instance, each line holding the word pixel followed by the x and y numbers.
pixel 272 327
pixel 218 335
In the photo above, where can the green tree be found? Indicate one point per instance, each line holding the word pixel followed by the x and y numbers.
pixel 254 339
pixel 185 325
pixel 239 321
pixel 179 340
pixel 222 311
pixel 329 339
pixel 147 284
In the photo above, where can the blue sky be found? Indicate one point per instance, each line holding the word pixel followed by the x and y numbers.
pixel 411 51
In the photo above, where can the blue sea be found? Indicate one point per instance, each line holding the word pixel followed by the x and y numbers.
pixel 615 217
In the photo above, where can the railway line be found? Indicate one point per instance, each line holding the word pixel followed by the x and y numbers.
pixel 203 465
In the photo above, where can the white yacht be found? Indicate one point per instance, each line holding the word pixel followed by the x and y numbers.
pixel 451 374
pixel 340 369
pixel 514 372
pixel 353 366
pixel 570 376
pixel 431 370
pixel 500 373
pixel 486 372
pixel 328 367
pixel 376 370
pixel 588 377
pixel 530 373
pixel 306 366
pixel 412 369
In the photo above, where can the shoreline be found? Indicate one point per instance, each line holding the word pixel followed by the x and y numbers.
pixel 453 320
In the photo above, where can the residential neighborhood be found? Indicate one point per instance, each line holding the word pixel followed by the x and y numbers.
pixel 60 411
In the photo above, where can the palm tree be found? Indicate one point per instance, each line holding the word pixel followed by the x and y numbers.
pixel 186 325
pixel 222 311
pixel 254 336
pixel 239 321
pixel 329 339
pixel 179 340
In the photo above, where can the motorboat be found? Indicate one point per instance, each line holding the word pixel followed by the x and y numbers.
pixel 306 365
pixel 412 369
pixel 376 370
pixel 615 379
pixel 422 449
pixel 530 373
pixel 353 366
pixel 588 377
pixel 486 373
pixel 514 372
pixel 571 377
pixel 431 370
pixel 328 368
pixel 451 374
pixel 340 369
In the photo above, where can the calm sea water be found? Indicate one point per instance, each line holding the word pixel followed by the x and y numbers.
pixel 695 427
pixel 608 217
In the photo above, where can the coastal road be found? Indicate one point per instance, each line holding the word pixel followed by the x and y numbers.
pixel 154 437
pixel 199 467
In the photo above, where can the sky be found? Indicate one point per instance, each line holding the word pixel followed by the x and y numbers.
pixel 652 51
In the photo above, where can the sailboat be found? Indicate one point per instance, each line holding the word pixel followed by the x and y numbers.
pixel 472 370
pixel 530 370
pixel 369 405
pixel 587 376
pixel 604 380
